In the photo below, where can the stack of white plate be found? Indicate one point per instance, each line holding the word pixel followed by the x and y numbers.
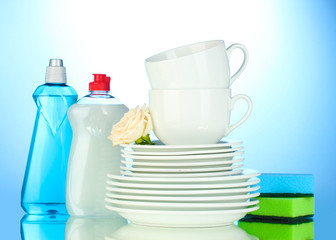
pixel 183 186
pixel 182 161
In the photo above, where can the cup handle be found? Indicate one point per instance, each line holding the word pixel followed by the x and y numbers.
pixel 244 63
pixel 247 114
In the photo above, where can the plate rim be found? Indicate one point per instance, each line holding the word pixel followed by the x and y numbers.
pixel 243 175
pixel 173 212
pixel 181 205
pixel 164 192
pixel 215 145
pixel 200 152
pixel 175 170
pixel 181 164
pixel 182 198
pixel 185 157
pixel 174 174
pixel 184 186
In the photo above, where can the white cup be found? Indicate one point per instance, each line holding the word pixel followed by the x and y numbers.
pixel 196 66
pixel 193 116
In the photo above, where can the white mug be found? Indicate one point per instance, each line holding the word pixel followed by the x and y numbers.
pixel 193 116
pixel 194 66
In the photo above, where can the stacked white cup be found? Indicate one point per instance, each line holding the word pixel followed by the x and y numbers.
pixel 190 100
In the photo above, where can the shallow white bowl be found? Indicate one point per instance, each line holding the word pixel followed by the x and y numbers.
pixel 216 198
pixel 218 156
pixel 223 172
pixel 160 147
pixel 169 218
pixel 183 206
pixel 181 153
pixel 189 193
pixel 243 177
pixel 191 169
pixel 182 163
pixel 205 185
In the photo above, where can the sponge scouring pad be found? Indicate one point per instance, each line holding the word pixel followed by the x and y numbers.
pixel 285 207
pixel 286 184
pixel 278 231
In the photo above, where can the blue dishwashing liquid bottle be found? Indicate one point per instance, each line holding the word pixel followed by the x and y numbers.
pixel 43 189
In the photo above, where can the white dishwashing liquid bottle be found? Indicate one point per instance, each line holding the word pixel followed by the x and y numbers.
pixel 92 155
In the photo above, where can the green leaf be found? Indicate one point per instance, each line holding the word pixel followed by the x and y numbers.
pixel 139 141
pixel 144 140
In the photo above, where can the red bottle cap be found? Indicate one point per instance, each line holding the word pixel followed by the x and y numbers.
pixel 101 82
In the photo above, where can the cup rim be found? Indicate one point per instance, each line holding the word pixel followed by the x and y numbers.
pixel 194 49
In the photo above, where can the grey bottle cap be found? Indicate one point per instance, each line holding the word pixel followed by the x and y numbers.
pixel 55 72
pixel 55 63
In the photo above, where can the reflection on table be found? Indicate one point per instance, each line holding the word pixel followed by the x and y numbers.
pixel 37 227
pixel 138 232
pixel 300 228
pixel 40 227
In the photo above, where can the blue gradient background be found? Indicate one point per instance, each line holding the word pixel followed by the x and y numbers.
pixel 290 76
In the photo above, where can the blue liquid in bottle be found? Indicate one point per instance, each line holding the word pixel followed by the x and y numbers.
pixel 43 190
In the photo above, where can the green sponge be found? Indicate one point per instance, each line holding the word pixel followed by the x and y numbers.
pixel 277 231
pixel 285 207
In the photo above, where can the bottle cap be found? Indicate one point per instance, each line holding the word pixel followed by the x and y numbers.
pixel 55 72
pixel 101 82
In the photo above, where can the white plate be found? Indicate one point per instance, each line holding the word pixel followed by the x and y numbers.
pixel 180 164
pixel 230 198
pixel 237 184
pixel 178 153
pixel 185 206
pixel 190 192
pixel 219 156
pixel 160 147
pixel 186 175
pixel 223 161
pixel 161 218
pixel 191 169
pixel 246 174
